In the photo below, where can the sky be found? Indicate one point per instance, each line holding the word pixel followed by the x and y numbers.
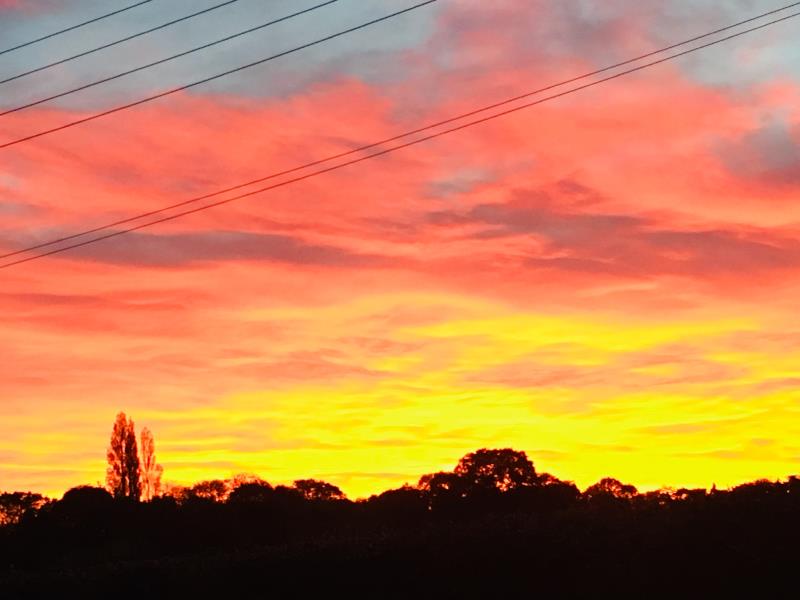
pixel 607 281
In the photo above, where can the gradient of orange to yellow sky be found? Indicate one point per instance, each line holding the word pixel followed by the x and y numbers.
pixel 608 281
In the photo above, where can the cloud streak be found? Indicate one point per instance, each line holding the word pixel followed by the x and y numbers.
pixel 186 249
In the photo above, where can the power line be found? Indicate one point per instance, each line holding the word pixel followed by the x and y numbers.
pixel 163 60
pixel 396 137
pixel 73 27
pixel 393 138
pixel 381 152
pixel 116 42
pixel 219 75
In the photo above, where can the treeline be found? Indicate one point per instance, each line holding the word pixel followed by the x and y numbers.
pixel 493 514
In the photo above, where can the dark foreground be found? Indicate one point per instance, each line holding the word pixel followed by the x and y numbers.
pixel 493 526
pixel 739 543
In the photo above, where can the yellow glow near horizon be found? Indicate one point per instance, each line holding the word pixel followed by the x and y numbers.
pixel 605 398
pixel 423 416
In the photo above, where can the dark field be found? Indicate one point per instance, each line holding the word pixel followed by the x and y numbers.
pixel 542 540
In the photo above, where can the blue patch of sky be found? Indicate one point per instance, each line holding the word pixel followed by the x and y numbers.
pixel 369 54
pixel 753 59
pixel 574 28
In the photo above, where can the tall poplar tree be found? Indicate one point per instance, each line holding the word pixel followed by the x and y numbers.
pixel 122 475
pixel 151 471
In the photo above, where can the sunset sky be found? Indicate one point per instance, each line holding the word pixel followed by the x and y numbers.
pixel 608 281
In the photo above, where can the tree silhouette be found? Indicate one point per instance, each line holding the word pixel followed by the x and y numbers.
pixel 501 469
pixel 251 493
pixel 442 490
pixel 479 477
pixel 122 475
pixel 151 471
pixel 611 489
pixel 242 478
pixel 15 505
pixel 313 489
pixel 84 500
pixel 213 490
